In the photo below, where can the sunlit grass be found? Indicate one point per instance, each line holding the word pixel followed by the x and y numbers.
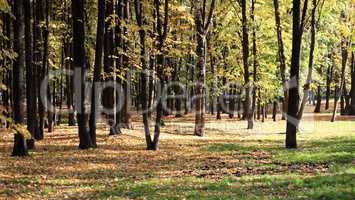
pixel 229 163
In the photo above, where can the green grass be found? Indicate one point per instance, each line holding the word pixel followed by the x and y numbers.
pixel 338 182
pixel 253 187
pixel 245 165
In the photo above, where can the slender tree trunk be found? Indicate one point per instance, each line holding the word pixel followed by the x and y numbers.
pixel 45 66
pixel 38 34
pixel 352 90
pixel 201 75
pixel 61 90
pixel 293 104
pixel 319 99
pixel 307 86
pixel 282 58
pixel 255 58
pixel 97 69
pixel 20 146
pixel 248 88
pixel 109 68
pixel 32 121
pixel 232 102
pixel 344 53
pixel 144 79
pixel 328 82
pixel 274 111
pixel 80 72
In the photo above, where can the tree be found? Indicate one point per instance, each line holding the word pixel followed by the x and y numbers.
pixel 20 146
pixel 80 70
pixel 352 91
pixel 162 26
pixel 248 88
pixel 97 69
pixel 344 54
pixel 307 85
pixel 31 98
pixel 293 104
pixel 281 57
pixel 202 25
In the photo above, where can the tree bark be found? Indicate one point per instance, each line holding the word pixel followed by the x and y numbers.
pixel 32 122
pixel 255 58
pixel 352 90
pixel 307 85
pixel 274 111
pixel 97 69
pixel 293 104
pixel 319 99
pixel 20 146
pixel 281 57
pixel 344 54
pixel 248 88
pixel 202 25
pixel 328 83
pixel 80 72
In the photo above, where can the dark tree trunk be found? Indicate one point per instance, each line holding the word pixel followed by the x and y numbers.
pixel 255 58
pixel 232 93
pixel 20 146
pixel 38 34
pixel 162 32
pixel 97 69
pixel 258 111
pixel 263 113
pixel 45 65
pixel 109 69
pixel 80 72
pixel 32 121
pixel 45 30
pixel 344 54
pixel 328 82
pixel 281 57
pixel 319 99
pixel 293 103
pixel 248 88
pixel 202 24
pixel 61 90
pixel 274 111
pixel 144 79
pixel 352 90
pixel 307 85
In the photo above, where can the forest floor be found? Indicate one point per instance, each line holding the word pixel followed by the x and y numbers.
pixel 230 162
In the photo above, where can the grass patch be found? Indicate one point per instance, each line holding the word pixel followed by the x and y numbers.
pixel 229 147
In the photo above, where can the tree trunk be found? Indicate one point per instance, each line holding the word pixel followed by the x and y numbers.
pixel 80 72
pixel 352 90
pixel 255 59
pixel 202 25
pixel 344 53
pixel 32 121
pixel 293 103
pixel 329 80
pixel 38 35
pixel 319 99
pixel 20 147
pixel 144 80
pixel 201 75
pixel 109 99
pixel 282 58
pixel 97 69
pixel 274 111
pixel 307 85
pixel 248 88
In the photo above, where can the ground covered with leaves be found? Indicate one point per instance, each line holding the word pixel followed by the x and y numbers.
pixel 230 162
